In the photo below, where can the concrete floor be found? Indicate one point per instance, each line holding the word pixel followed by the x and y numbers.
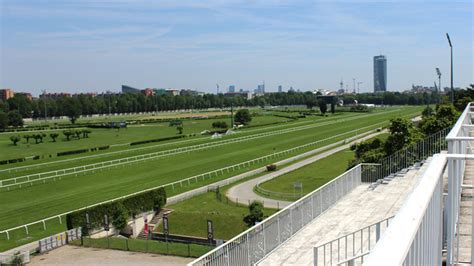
pixel 356 210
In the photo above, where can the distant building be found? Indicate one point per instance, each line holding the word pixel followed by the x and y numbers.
pixel 422 89
pixel 260 89
pixel 232 88
pixel 173 92
pixel 26 94
pixel 380 73
pixel 148 92
pixel 6 94
pixel 244 94
pixel 128 89
pixel 280 88
pixel 55 95
pixel 159 91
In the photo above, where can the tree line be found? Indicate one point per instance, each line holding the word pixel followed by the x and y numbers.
pixel 83 104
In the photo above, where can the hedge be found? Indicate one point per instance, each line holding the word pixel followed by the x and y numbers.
pixel 136 204
pixel 156 140
pixel 71 152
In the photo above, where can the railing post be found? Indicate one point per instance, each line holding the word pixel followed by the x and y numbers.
pixel 315 256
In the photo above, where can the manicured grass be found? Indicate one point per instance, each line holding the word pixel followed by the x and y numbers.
pixel 312 176
pixel 190 217
pixel 29 204
pixel 103 137
pixel 146 246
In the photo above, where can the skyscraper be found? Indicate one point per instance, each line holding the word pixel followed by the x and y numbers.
pixel 380 73
pixel 232 88
pixel 280 88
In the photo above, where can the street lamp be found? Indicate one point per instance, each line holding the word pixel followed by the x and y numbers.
pixel 439 81
pixel 451 46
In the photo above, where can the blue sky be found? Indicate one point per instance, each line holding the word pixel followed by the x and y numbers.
pixel 99 45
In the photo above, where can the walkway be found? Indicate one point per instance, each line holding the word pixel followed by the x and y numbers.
pixel 465 219
pixel 72 255
pixel 243 193
pixel 356 210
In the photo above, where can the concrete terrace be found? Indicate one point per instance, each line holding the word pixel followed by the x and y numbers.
pixel 358 209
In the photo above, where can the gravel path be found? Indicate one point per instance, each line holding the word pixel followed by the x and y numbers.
pixel 243 193
pixel 72 255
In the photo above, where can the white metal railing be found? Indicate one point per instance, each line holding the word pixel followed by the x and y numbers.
pixel 254 244
pixel 188 181
pixel 28 179
pixel 423 227
pixel 350 248
pixel 459 142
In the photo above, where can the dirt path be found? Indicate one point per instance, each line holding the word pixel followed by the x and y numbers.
pixel 72 255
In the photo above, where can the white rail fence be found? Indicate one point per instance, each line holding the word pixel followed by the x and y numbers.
pixel 415 234
pixel 254 244
pixel 42 177
pixel 191 180
pixel 350 248
pixel 17 181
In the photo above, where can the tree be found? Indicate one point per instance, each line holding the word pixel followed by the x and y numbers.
pixel 78 133
pixel 27 137
pixel 68 134
pixel 180 129
pixel 255 214
pixel 15 139
pixel 323 107
pixel 402 132
pixel 428 111
pixel 3 120
pixel 243 117
pixel 15 119
pixel 54 136
pixel 120 217
pixel 85 133
pixel 220 124
pixel 72 109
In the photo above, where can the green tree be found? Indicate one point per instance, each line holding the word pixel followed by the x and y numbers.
pixel 323 107
pixel 243 117
pixel 15 119
pixel 85 133
pixel 427 112
pixel 180 129
pixel 72 109
pixel 3 120
pixel 120 217
pixel 220 124
pixel 255 214
pixel 15 139
pixel 27 137
pixel 68 134
pixel 402 132
pixel 54 136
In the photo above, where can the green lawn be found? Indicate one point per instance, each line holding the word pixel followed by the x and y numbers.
pixel 29 204
pixel 103 137
pixel 311 176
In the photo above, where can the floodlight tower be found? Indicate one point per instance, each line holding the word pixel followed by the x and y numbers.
pixel 439 78
pixel 358 84
pixel 451 46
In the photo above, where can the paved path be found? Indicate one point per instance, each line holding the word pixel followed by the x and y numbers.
pixel 73 255
pixel 243 193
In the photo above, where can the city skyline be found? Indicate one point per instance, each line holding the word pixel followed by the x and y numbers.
pixel 99 45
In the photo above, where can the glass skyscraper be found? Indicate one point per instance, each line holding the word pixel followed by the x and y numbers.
pixel 380 73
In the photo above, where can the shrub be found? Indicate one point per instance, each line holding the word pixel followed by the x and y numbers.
pixel 54 136
pixel 243 117
pixel 150 200
pixel 220 124
pixel 255 214
pixel 14 139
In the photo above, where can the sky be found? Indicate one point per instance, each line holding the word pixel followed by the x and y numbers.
pixel 94 46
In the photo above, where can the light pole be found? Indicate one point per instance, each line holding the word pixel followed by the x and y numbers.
pixel 452 89
pixel 439 82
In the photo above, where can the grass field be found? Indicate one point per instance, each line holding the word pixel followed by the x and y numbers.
pixel 104 137
pixel 29 204
pixel 311 176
